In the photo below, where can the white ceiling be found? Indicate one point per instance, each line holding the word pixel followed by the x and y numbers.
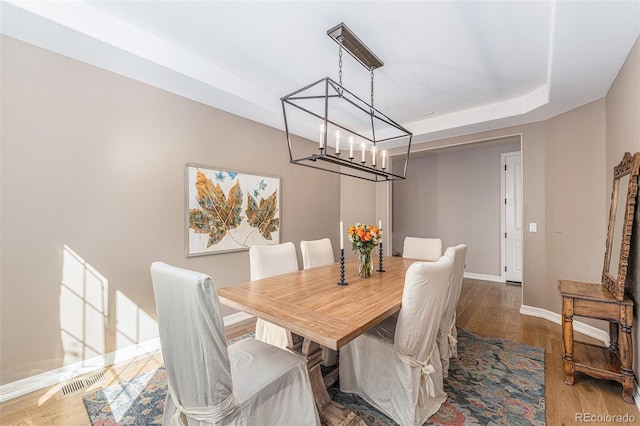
pixel 450 67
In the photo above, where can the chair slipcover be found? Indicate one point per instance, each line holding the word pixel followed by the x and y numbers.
pixel 448 334
pixel 396 366
pixel 318 253
pixel 265 262
pixel 247 383
pixel 422 248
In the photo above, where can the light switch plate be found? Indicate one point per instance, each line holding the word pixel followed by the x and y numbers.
pixel 533 227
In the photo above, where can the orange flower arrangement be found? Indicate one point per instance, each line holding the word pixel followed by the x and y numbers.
pixel 364 237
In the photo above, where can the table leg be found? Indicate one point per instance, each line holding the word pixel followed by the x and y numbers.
pixel 331 413
pixel 626 354
pixel 614 329
pixel 567 339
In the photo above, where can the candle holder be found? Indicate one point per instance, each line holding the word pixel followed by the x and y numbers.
pixel 342 281
pixel 380 259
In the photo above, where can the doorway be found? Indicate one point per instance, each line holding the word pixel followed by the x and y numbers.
pixel 512 217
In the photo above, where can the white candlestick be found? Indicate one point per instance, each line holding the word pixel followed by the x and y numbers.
pixel 341 235
pixel 337 141
pixel 380 224
pixel 363 153
pixel 321 141
pixel 351 147
pixel 373 155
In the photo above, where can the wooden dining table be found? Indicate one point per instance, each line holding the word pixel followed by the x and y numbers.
pixel 316 311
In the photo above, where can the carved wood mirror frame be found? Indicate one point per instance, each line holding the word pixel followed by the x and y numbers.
pixel 621 224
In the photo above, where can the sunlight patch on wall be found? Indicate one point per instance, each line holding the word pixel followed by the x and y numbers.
pixel 83 308
pixel 133 325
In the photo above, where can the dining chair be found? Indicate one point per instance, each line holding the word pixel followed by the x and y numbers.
pixel 317 253
pixel 396 365
pixel 248 382
pixel 422 248
pixel 448 334
pixel 265 262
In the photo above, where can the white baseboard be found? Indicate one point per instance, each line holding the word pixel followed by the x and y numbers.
pixel 69 372
pixel 578 326
pixel 483 277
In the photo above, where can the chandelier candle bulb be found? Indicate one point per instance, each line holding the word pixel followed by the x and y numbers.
pixel 364 151
pixel 373 156
pixel 337 142
pixel 321 141
pixel 384 159
pixel 351 148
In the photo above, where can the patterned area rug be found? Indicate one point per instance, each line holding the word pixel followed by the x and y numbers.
pixel 494 381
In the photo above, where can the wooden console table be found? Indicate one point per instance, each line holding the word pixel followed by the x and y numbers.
pixel 613 363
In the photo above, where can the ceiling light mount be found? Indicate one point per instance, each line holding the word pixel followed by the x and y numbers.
pixel 341 34
pixel 342 123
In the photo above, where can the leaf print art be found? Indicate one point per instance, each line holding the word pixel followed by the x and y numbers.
pixel 262 216
pixel 229 211
pixel 218 212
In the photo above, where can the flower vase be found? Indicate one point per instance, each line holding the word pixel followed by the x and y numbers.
pixel 365 266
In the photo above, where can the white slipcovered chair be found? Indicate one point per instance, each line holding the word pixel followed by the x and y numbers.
pixel 265 262
pixel 422 248
pixel 318 253
pixel 448 334
pixel 210 383
pixel 396 365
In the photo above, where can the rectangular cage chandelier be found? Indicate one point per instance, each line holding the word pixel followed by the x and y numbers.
pixel 348 135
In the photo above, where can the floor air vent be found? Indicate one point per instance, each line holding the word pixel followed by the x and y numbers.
pixel 80 384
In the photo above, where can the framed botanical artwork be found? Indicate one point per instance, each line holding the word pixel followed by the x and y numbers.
pixel 229 210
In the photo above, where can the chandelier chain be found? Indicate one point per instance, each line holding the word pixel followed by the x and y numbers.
pixel 340 61
pixel 371 87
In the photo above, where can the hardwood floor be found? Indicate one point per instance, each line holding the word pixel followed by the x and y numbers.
pixel 485 308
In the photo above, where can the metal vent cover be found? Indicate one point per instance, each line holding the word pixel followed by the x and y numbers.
pixel 80 384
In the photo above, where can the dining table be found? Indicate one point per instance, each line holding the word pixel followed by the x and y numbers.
pixel 317 311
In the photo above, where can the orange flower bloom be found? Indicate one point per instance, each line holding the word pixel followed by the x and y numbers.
pixel 352 230
pixel 373 229
pixel 367 236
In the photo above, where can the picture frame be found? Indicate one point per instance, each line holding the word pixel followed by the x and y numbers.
pixel 228 210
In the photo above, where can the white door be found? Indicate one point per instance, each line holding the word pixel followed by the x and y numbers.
pixel 512 217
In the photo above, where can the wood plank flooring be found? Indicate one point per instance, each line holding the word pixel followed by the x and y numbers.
pixel 485 308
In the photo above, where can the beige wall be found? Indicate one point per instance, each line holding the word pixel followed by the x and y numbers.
pixel 95 161
pixel 357 204
pixel 454 194
pixel 623 134
pixel 562 158
pixel 535 291
pixel 575 187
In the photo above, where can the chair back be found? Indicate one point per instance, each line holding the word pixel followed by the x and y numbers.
pixel 268 261
pixel 192 337
pixel 455 283
pixel 316 253
pixel 422 248
pixel 425 290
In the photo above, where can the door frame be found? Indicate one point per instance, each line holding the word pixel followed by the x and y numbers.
pixel 503 221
